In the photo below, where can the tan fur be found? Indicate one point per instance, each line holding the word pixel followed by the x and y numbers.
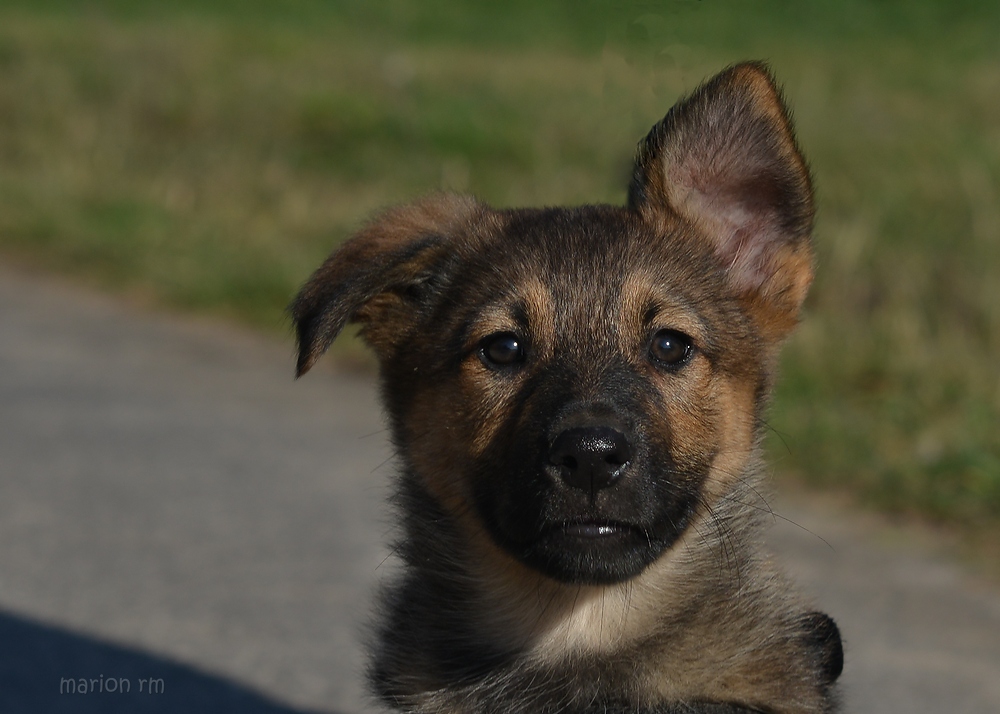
pixel 478 384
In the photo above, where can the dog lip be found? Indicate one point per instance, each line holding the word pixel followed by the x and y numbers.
pixel 592 529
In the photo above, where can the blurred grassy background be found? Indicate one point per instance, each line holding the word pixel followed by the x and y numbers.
pixel 207 154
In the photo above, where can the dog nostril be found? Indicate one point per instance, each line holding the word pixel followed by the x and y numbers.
pixel 590 458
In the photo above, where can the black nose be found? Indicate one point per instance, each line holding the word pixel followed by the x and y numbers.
pixel 590 458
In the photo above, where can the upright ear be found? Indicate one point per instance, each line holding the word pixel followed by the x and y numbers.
pixel 378 271
pixel 725 160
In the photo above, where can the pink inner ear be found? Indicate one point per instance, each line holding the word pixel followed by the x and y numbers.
pixel 740 219
pixel 748 253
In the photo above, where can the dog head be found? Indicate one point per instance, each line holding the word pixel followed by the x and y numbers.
pixel 572 386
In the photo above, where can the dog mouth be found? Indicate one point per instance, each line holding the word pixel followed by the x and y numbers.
pixel 588 530
pixel 589 550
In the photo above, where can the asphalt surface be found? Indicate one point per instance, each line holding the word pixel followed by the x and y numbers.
pixel 178 514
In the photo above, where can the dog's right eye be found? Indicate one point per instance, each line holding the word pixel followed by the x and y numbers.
pixel 501 349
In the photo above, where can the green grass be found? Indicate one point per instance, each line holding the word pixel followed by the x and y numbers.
pixel 209 154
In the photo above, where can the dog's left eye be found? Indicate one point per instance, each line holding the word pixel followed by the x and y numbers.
pixel 501 349
pixel 670 348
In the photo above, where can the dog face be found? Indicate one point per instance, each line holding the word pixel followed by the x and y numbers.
pixel 570 383
pixel 572 387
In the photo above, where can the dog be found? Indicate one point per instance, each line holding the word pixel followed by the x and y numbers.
pixel 576 397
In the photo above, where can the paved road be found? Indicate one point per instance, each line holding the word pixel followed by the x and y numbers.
pixel 176 511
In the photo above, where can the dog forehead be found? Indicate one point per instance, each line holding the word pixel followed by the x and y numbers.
pixel 576 260
pixel 573 253
pixel 597 276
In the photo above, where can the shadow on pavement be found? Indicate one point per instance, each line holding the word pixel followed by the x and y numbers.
pixel 50 670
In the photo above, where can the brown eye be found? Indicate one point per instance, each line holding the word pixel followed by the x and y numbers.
pixel 670 348
pixel 501 349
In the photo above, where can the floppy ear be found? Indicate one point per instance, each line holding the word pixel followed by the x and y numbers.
pixel 376 273
pixel 725 160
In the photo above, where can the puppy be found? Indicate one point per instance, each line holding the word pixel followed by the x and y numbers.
pixel 576 396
